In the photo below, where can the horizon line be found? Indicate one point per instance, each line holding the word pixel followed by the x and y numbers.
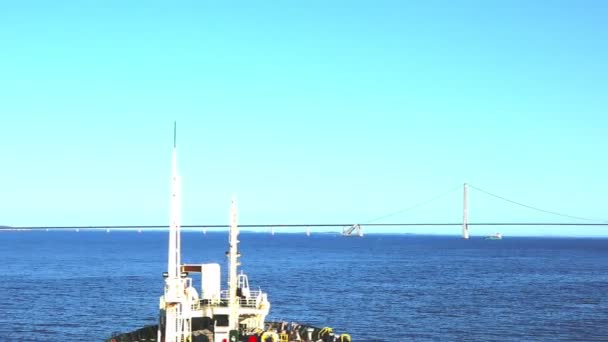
pixel 300 225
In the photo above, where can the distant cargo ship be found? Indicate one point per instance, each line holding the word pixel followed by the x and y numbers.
pixel 497 236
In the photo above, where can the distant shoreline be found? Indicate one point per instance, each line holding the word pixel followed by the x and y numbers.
pixel 245 231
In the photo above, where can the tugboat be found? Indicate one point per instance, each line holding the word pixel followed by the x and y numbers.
pixel 234 315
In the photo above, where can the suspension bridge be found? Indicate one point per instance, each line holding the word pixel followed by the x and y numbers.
pixel 356 229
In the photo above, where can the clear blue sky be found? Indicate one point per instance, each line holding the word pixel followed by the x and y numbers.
pixel 309 111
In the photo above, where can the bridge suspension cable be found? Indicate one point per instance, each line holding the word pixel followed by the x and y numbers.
pixel 414 206
pixel 531 207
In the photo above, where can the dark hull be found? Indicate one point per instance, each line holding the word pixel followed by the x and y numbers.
pixel 149 334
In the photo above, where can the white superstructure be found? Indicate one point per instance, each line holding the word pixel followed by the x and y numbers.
pixel 219 314
pixel 235 314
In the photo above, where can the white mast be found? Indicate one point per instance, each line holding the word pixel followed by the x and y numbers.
pixel 174 227
pixel 465 215
pixel 233 318
pixel 177 328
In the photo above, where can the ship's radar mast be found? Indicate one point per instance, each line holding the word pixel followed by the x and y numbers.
pixel 233 255
pixel 174 302
pixel 173 266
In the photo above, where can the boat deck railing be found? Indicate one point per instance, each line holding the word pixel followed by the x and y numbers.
pixel 252 301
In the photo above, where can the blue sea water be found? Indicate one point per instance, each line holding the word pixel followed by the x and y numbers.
pixel 68 286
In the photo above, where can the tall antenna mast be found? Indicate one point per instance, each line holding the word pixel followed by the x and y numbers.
pixel 177 327
pixel 233 254
pixel 174 261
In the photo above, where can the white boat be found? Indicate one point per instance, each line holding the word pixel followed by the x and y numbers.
pixel 210 314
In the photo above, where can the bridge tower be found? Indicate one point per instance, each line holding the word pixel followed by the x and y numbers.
pixel 465 215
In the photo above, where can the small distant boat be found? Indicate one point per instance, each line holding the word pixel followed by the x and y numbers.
pixel 497 236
